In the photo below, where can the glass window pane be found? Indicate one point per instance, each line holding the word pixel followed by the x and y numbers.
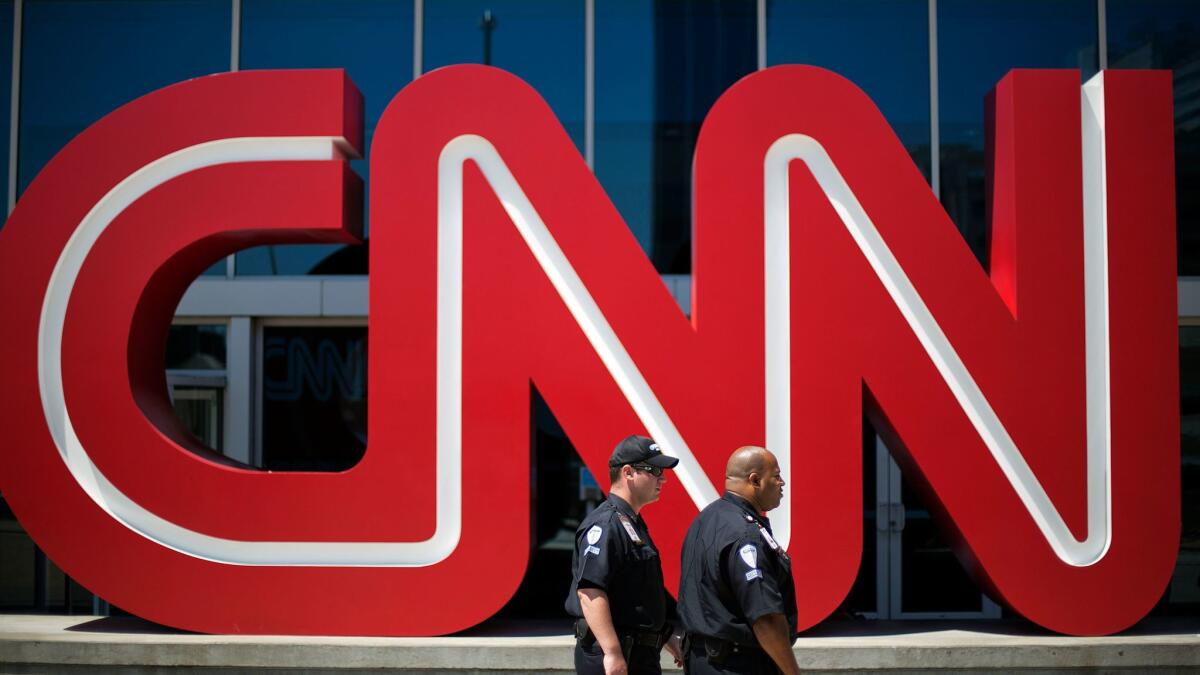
pixel 880 45
pixel 979 41
pixel 1183 595
pixel 659 68
pixel 314 411
pixel 81 60
pixel 16 562
pixel 200 410
pixel 1166 34
pixel 540 42
pixel 196 347
pixel 6 37
pixel 864 595
pixel 373 41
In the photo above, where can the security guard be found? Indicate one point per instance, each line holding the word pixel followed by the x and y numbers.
pixel 617 593
pixel 737 600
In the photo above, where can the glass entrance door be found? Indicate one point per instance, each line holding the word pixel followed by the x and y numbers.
pixel 917 574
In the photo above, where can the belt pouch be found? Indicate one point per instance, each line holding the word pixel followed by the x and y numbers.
pixel 584 634
pixel 717 651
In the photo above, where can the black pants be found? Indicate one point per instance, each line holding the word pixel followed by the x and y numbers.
pixel 642 660
pixel 754 662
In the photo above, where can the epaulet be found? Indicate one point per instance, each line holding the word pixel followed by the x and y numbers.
pixel 751 523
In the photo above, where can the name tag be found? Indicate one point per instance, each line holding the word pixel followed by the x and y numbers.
pixel 629 529
pixel 767 536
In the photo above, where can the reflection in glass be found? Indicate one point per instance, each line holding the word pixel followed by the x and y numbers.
pixel 82 60
pixel 196 347
pixel 863 597
pixel 16 562
pixel 1183 595
pixel 979 41
pixel 932 578
pixel 6 37
pixel 200 408
pixel 540 42
pixel 314 400
pixel 1166 34
pixel 659 68
pixel 880 45
pixel 372 41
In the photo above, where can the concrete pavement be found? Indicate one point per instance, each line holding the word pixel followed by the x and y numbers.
pixel 65 644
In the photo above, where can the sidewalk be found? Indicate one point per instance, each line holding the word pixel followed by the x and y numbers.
pixel 67 644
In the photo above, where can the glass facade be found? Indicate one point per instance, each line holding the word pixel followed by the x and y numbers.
pixel 196 379
pixel 81 60
pixel 373 41
pixel 1166 34
pixel 880 45
pixel 633 103
pixel 6 55
pixel 540 42
pixel 1183 595
pixel 659 67
pixel 979 41
pixel 314 397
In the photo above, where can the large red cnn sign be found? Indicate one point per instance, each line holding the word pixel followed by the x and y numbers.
pixel 1037 405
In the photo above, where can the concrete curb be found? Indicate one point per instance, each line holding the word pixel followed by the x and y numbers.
pixel 30 644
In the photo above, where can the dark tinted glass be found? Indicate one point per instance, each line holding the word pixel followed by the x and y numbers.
pixel 864 595
pixel 659 68
pixel 880 45
pixel 979 41
pixel 932 579
pixel 314 410
pixel 1166 34
pixel 540 42
pixel 82 60
pixel 1183 595
pixel 6 37
pixel 16 562
pixel 196 347
pixel 373 41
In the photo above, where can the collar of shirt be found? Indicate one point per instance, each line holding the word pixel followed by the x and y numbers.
pixel 745 505
pixel 623 506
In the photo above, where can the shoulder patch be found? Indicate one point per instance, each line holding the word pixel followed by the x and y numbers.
pixel 749 555
pixel 629 528
pixel 593 535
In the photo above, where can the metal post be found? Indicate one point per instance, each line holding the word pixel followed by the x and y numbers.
pixel 488 25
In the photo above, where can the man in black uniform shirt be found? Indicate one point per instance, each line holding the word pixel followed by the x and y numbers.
pixel 737 600
pixel 617 591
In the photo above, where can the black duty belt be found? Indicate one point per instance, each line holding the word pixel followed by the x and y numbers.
pixel 627 636
pixel 718 650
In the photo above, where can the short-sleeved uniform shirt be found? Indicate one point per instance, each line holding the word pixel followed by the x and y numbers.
pixel 614 553
pixel 734 572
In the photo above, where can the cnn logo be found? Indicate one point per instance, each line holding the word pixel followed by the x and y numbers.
pixel 1037 404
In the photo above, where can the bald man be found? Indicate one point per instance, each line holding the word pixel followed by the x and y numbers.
pixel 737 600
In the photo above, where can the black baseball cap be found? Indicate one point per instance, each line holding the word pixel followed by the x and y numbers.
pixel 640 450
